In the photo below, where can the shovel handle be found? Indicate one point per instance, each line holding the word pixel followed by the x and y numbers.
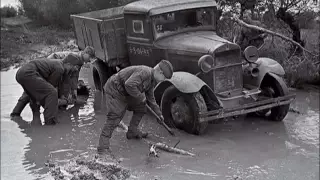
pixel 161 121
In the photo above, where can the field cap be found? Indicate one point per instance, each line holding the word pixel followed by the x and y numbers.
pixel 166 68
pixel 90 51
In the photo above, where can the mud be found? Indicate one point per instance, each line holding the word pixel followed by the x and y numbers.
pixel 242 148
pixel 88 167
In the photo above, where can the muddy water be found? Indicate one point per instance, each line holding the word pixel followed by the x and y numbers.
pixel 247 148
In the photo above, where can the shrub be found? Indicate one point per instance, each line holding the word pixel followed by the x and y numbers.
pixel 8 11
pixel 300 69
pixel 57 12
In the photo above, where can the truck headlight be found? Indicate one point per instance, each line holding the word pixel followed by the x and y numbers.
pixel 251 54
pixel 206 63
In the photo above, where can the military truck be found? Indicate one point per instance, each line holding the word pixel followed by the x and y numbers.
pixel 213 78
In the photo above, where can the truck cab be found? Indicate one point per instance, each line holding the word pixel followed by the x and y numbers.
pixel 213 79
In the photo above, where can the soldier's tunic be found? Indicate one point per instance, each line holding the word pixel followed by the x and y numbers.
pixel 70 83
pixel 39 79
pixel 126 90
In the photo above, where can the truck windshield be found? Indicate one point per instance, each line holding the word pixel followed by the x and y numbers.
pixel 168 23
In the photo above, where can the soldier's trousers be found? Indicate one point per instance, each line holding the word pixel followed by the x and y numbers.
pixel 117 104
pixel 39 90
pixel 25 99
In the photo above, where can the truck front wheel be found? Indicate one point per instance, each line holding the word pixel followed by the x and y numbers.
pixel 182 110
pixel 273 88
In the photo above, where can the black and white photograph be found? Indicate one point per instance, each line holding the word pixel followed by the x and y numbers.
pixel 160 89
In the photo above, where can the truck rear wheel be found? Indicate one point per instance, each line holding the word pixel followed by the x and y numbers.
pixel 272 88
pixel 182 110
pixel 101 73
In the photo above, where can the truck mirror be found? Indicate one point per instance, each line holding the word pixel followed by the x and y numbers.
pixel 206 63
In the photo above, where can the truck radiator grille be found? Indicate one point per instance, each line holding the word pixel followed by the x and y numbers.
pixel 228 73
pixel 227 79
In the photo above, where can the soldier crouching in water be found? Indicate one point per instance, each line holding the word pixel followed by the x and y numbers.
pixel 132 86
pixel 40 80
pixel 75 58
pixel 70 85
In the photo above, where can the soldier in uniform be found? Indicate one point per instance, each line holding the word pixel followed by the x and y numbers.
pixel 131 88
pixel 249 37
pixel 70 83
pixel 41 79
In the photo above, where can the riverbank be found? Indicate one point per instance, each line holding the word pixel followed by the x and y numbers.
pixel 23 40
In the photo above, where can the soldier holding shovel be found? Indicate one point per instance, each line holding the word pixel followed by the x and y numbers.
pixel 131 88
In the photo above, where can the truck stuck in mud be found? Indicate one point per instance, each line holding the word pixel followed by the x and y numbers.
pixel 213 78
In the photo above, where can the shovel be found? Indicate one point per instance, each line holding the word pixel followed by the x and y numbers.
pixel 160 120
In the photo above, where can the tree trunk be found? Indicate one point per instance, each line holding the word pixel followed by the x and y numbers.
pixel 289 19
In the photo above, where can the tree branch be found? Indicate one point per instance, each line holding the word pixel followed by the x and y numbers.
pixel 242 23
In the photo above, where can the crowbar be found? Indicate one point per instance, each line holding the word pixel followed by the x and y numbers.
pixel 161 121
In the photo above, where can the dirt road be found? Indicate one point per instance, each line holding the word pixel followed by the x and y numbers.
pixel 244 148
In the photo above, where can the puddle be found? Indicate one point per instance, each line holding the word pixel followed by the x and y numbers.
pixel 306 128
pixel 229 149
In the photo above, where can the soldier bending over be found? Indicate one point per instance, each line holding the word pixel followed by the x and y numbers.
pixel 131 88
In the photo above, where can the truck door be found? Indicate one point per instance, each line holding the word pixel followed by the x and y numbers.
pixel 139 40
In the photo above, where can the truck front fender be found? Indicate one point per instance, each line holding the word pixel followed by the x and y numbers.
pixel 187 83
pixel 265 65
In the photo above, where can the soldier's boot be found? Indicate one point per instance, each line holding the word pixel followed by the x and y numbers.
pixel 104 140
pixel 36 113
pixel 36 120
pixel 104 145
pixel 50 104
pixel 21 104
pixel 51 121
pixel 133 131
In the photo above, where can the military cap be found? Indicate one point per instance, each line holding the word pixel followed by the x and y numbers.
pixel 166 68
pixel 73 60
pixel 90 51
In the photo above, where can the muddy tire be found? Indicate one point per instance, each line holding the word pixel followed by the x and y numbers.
pixel 181 110
pixel 101 73
pixel 272 88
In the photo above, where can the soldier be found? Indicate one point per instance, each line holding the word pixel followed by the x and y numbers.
pixel 131 88
pixel 79 59
pixel 39 79
pixel 246 37
pixel 69 87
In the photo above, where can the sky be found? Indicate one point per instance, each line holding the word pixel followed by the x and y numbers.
pixel 9 2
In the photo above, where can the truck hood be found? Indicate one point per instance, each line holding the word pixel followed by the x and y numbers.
pixel 201 42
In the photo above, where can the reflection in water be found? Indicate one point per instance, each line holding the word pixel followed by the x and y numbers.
pixel 193 172
pixel 77 132
pixel 306 128
pixel 62 141
pixel 227 148
pixel 12 140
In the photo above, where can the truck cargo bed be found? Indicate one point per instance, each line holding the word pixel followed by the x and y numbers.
pixel 105 31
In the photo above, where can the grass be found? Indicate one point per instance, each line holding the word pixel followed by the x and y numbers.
pixel 23 40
